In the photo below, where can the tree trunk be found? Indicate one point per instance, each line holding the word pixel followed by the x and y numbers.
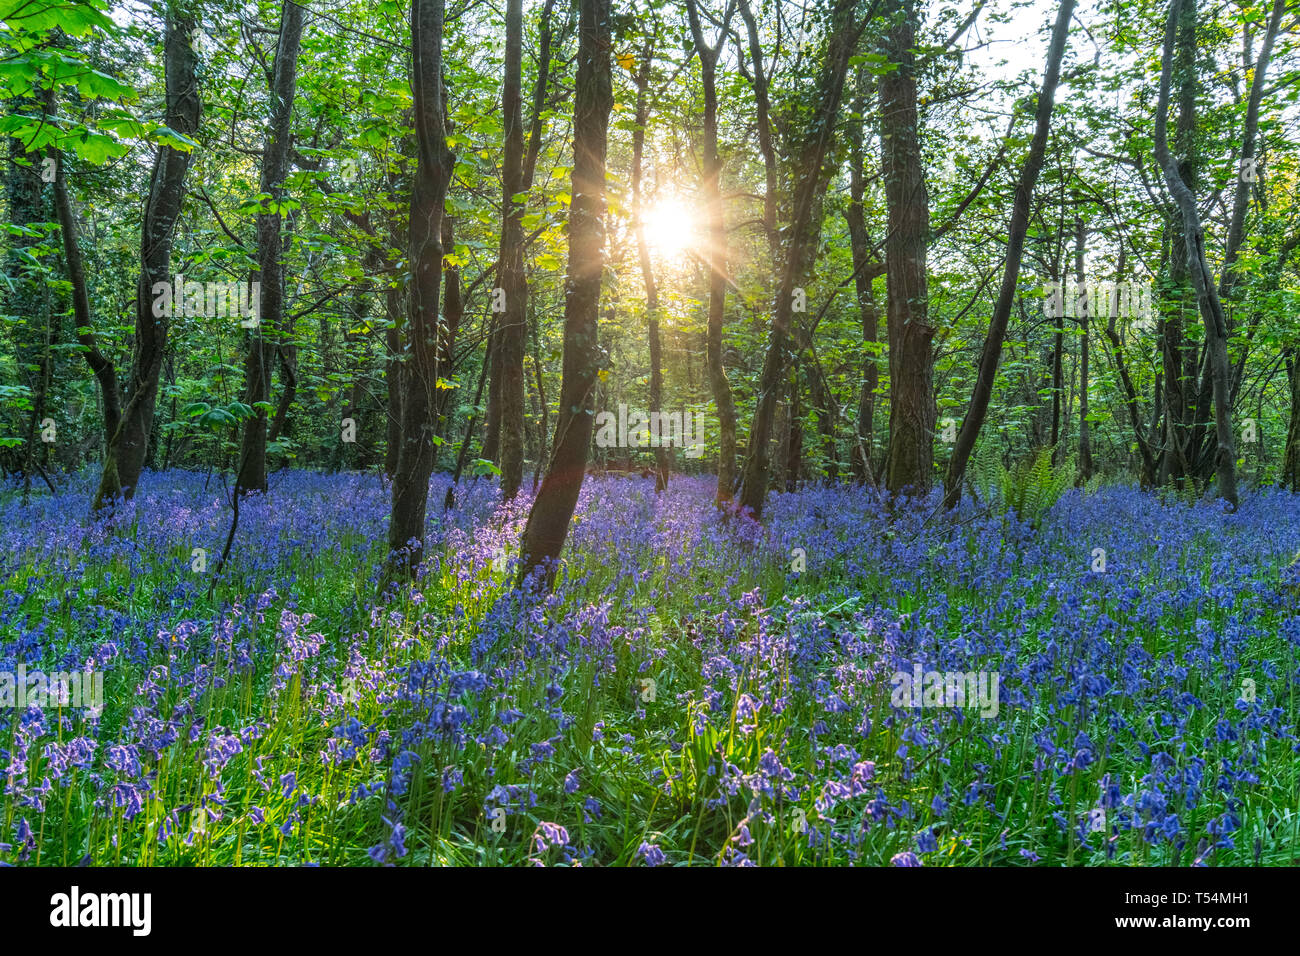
pixel 1058 379
pixel 715 255
pixel 1250 131
pixel 393 378
pixel 453 311
pixel 991 354
pixel 124 458
pixel 663 460
pixel 26 297
pixel 859 246
pixel 104 372
pixel 911 357
pixel 428 195
pixel 512 322
pixel 1085 319
pixel 1216 330
pixel 1130 391
pixel 102 368
pixel 762 110
pixel 1291 457
pixel 548 521
pixel 270 249
pixel 504 440
pixel 814 150
pixel 1178 355
pixel 793 445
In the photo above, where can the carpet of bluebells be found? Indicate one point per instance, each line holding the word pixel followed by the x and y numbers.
pixel 683 697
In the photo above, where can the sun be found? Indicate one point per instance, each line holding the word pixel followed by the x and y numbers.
pixel 669 227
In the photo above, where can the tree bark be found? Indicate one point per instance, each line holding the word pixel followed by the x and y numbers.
pixel 453 311
pixel 504 441
pixel 511 326
pixel 1216 330
pixel 715 253
pixel 548 521
pixel 393 378
pixel 762 110
pixel 817 138
pixel 1250 132
pixel 1130 391
pixel 1291 457
pixel 663 460
pixel 102 368
pixel 124 458
pixel 911 358
pixel 270 249
pixel 1085 319
pixel 859 247
pixel 410 494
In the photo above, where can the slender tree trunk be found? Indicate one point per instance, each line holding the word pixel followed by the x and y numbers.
pixel 1216 328
pixel 859 246
pixel 911 357
pixel 103 370
pixel 511 328
pixel 1250 132
pixel 762 110
pixel 663 460
pixel 393 378
pixel 793 464
pixel 503 441
pixel 991 354
pixel 1085 319
pixel 26 297
pixel 1291 457
pixel 124 459
pixel 543 424
pixel 270 250
pixel 716 256
pixel 814 150
pixel 1149 471
pixel 1058 379
pixel 453 311
pixel 819 392
pixel 428 195
pixel 548 521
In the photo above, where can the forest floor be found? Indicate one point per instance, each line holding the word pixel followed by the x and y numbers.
pixel 697 690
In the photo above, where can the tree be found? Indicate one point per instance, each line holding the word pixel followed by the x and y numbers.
pixel 125 455
pixel 270 248
pixel 1207 295
pixel 548 520
pixel 662 457
pixel 911 360
pixel 716 249
pixel 815 146
pixel 511 325
pixel 991 353
pixel 860 247
pixel 433 174
pixel 510 328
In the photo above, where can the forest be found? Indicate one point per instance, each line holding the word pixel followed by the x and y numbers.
pixel 650 433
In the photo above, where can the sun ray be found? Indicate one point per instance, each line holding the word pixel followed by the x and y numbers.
pixel 670 228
